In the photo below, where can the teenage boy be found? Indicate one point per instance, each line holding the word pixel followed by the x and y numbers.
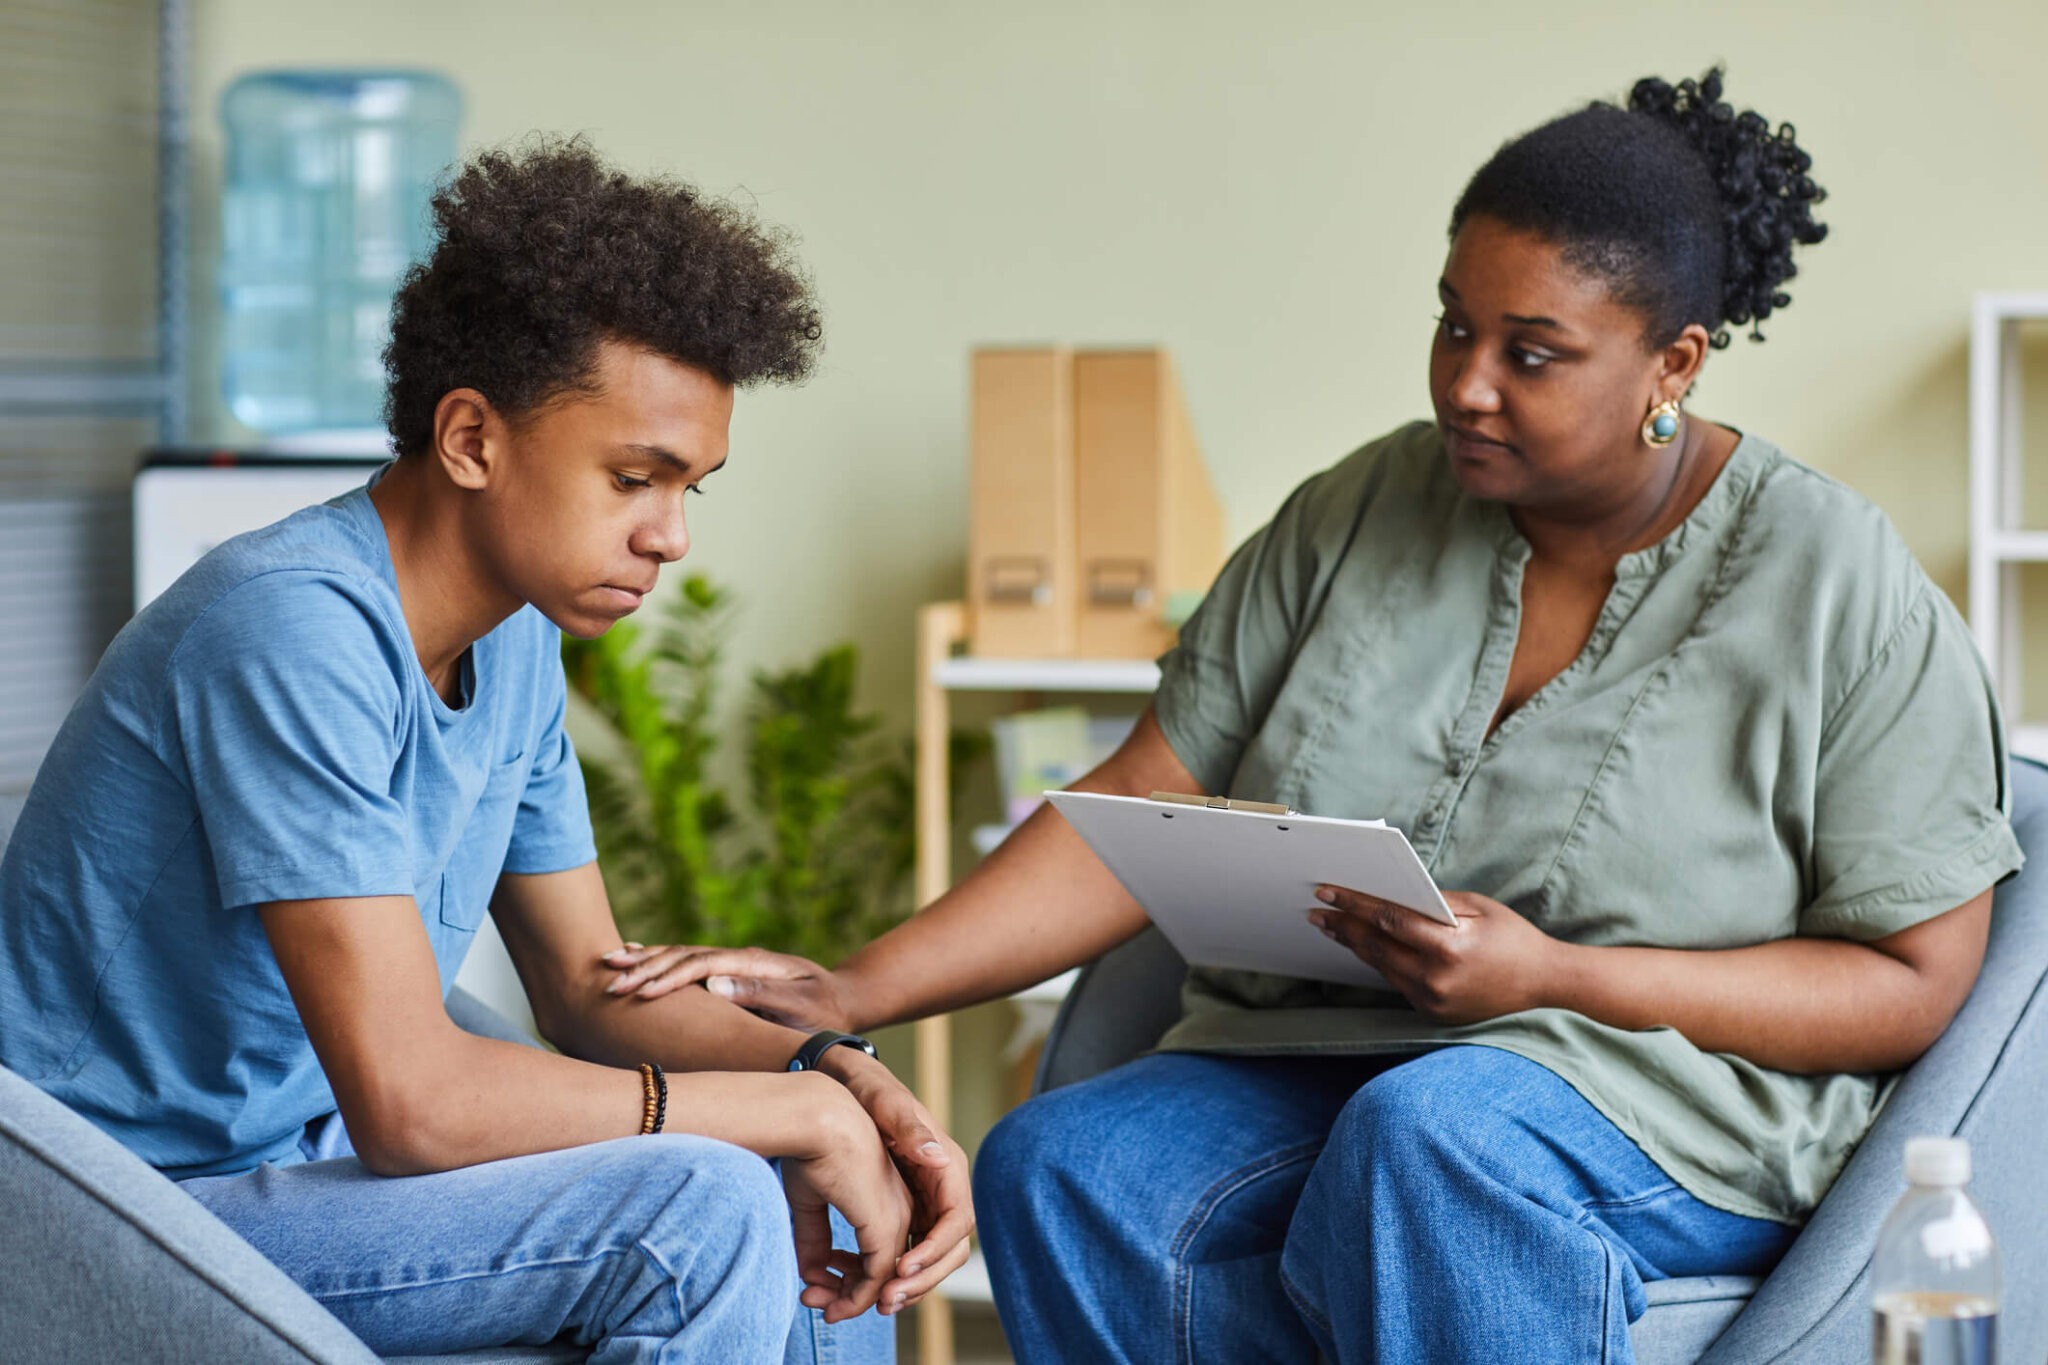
pixel 263 841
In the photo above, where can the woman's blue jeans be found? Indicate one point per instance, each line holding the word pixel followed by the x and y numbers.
pixel 668 1248
pixel 1466 1205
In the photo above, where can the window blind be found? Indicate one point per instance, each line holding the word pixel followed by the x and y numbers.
pixel 85 377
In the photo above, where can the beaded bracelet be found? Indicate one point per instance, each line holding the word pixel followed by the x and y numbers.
pixel 653 1098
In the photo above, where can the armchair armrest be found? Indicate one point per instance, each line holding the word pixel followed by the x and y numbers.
pixel 108 1260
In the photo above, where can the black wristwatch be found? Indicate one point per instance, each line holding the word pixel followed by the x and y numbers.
pixel 822 1041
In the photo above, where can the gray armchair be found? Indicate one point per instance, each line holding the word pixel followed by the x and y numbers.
pixel 102 1259
pixel 1985 1080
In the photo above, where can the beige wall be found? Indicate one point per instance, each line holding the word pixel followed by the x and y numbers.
pixel 1261 187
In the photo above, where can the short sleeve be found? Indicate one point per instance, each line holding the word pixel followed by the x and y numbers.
pixel 1910 799
pixel 1217 684
pixel 281 707
pixel 551 832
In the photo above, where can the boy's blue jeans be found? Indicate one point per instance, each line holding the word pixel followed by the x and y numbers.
pixel 1465 1205
pixel 665 1248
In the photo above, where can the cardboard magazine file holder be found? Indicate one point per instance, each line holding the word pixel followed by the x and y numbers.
pixel 1089 504
pixel 1147 523
pixel 1021 504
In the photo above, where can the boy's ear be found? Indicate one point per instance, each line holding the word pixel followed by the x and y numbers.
pixel 467 432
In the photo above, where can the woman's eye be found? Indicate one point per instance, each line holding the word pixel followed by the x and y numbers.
pixel 627 482
pixel 1530 360
pixel 1451 329
pixel 698 489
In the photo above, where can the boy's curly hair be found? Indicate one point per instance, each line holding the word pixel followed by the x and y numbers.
pixel 543 252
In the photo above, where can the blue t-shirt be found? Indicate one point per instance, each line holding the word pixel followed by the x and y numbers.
pixel 261 732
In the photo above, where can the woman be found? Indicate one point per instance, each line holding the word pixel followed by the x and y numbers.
pixel 1708 767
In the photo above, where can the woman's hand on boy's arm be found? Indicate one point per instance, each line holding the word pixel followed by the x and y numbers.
pixel 782 987
pixel 1038 905
pixel 558 929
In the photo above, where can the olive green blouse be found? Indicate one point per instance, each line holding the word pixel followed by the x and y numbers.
pixel 1779 727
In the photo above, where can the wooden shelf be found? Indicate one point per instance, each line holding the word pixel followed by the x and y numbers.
pixel 962 673
pixel 2018 547
pixel 941 672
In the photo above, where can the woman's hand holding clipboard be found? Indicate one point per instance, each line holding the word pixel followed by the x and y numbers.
pixel 1231 884
pixel 1257 887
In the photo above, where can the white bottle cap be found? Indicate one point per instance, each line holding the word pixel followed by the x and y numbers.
pixel 1937 1161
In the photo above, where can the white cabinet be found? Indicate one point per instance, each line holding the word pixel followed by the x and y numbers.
pixel 188 502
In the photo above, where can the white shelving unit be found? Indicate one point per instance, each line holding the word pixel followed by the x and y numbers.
pixel 941 628
pixel 1999 544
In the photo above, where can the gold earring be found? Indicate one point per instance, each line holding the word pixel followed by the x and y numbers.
pixel 1660 428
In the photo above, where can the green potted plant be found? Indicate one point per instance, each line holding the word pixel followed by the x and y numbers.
pixel 814 857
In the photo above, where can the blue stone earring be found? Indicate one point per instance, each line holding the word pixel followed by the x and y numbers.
pixel 1660 428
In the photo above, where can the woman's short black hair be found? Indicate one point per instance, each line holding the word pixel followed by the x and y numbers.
pixel 1686 208
pixel 543 252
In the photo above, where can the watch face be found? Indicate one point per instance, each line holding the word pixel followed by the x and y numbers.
pixel 845 1040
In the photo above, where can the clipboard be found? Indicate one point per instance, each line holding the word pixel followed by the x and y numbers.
pixel 1231 884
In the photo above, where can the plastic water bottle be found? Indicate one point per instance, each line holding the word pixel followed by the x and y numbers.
pixel 1935 1276
pixel 324 205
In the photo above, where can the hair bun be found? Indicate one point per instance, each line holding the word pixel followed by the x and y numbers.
pixel 1767 195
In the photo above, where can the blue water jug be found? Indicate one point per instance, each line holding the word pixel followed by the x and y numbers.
pixel 324 204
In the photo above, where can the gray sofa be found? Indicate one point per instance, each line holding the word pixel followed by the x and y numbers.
pixel 1985 1080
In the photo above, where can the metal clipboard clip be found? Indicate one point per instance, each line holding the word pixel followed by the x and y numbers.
pixel 1224 803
